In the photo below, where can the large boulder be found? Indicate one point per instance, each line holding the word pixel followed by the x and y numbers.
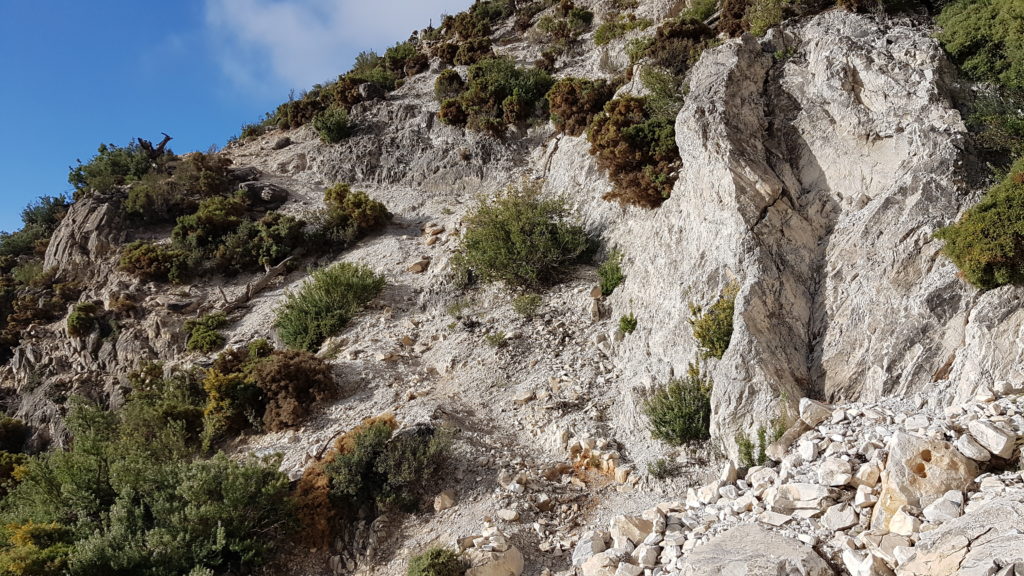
pixel 918 472
pixel 751 550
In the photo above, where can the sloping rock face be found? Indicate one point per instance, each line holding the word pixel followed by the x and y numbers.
pixel 816 182
pixel 91 232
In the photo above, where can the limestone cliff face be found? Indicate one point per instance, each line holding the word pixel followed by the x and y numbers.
pixel 816 166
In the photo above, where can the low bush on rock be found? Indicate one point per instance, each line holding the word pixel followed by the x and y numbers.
pixel 325 304
pixel 84 319
pixel 202 332
pixel 637 150
pixel 521 239
pixel 129 500
pixel 449 84
pixel 436 562
pixel 527 305
pixel 680 411
pixel 498 93
pixel 713 327
pixel 573 103
pixel 627 323
pixel 985 39
pixel 610 273
pixel 333 125
pixel 349 216
pixel 618 26
pixel 987 244
pixel 154 262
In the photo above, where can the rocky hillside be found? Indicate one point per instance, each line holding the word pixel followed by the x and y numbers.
pixel 742 200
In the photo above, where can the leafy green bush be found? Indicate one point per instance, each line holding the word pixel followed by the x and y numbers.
pixel 449 84
pixel 83 319
pixel 350 215
pixel 764 14
pixel 680 412
pixel 159 197
pixel 325 304
pixel 497 93
pixel 436 562
pixel 258 244
pixel 997 122
pixel 526 305
pixel 679 43
pixel 746 447
pixel 987 244
pixel 986 39
pixel 638 151
pixel 662 469
pixel 214 219
pixel 202 332
pixel 384 469
pixel 120 502
pixel 610 272
pixel 618 26
pixel 713 327
pixel 627 323
pixel 153 262
pixel 333 125
pixel 521 239
pixel 700 10
pixel 573 102
pixel 111 167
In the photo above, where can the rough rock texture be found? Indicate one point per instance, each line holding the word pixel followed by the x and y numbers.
pixel 90 234
pixel 754 551
pixel 917 472
pixel 984 542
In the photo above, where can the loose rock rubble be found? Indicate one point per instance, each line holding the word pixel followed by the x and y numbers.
pixel 877 489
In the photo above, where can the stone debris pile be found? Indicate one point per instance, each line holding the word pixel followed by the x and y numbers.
pixel 876 489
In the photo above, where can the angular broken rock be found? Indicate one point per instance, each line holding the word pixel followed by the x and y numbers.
pixel 797 496
pixel 917 472
pixel 839 517
pixel 968 447
pixel 813 412
pixel 420 266
pixel 947 508
pixel 993 438
pixel 751 550
pixel 863 564
pixel 971 543
pixel 592 542
pixel 835 472
pixel 629 529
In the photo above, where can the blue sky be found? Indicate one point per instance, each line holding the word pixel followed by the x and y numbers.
pixel 76 73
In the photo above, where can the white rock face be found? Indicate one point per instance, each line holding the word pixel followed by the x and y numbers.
pixel 993 438
pixel 752 550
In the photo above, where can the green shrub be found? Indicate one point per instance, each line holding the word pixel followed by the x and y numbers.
pixel 638 151
pixel 700 10
pixel 627 323
pixel 662 469
pixel 997 122
pixel 202 332
pixel 83 319
pixel 497 93
pixel 526 305
pixel 325 304
pixel 255 245
pixel 986 39
pixel 45 212
pixel 387 470
pixel 762 15
pixel 120 502
pixel 713 327
pixel 746 447
pixel 111 167
pixel 159 197
pixel 987 244
pixel 680 412
pixel 404 59
pixel 436 562
pixel 153 262
pixel 350 215
pixel 610 272
pixel 449 84
pixel 333 125
pixel 618 26
pixel 496 339
pixel 573 102
pixel 291 382
pixel 521 239
pixel 678 44
pixel 214 219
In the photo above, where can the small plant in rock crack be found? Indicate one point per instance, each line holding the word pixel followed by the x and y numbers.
pixel 663 469
pixel 497 339
pixel 627 323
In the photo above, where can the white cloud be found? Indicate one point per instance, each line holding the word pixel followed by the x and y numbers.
pixel 269 44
